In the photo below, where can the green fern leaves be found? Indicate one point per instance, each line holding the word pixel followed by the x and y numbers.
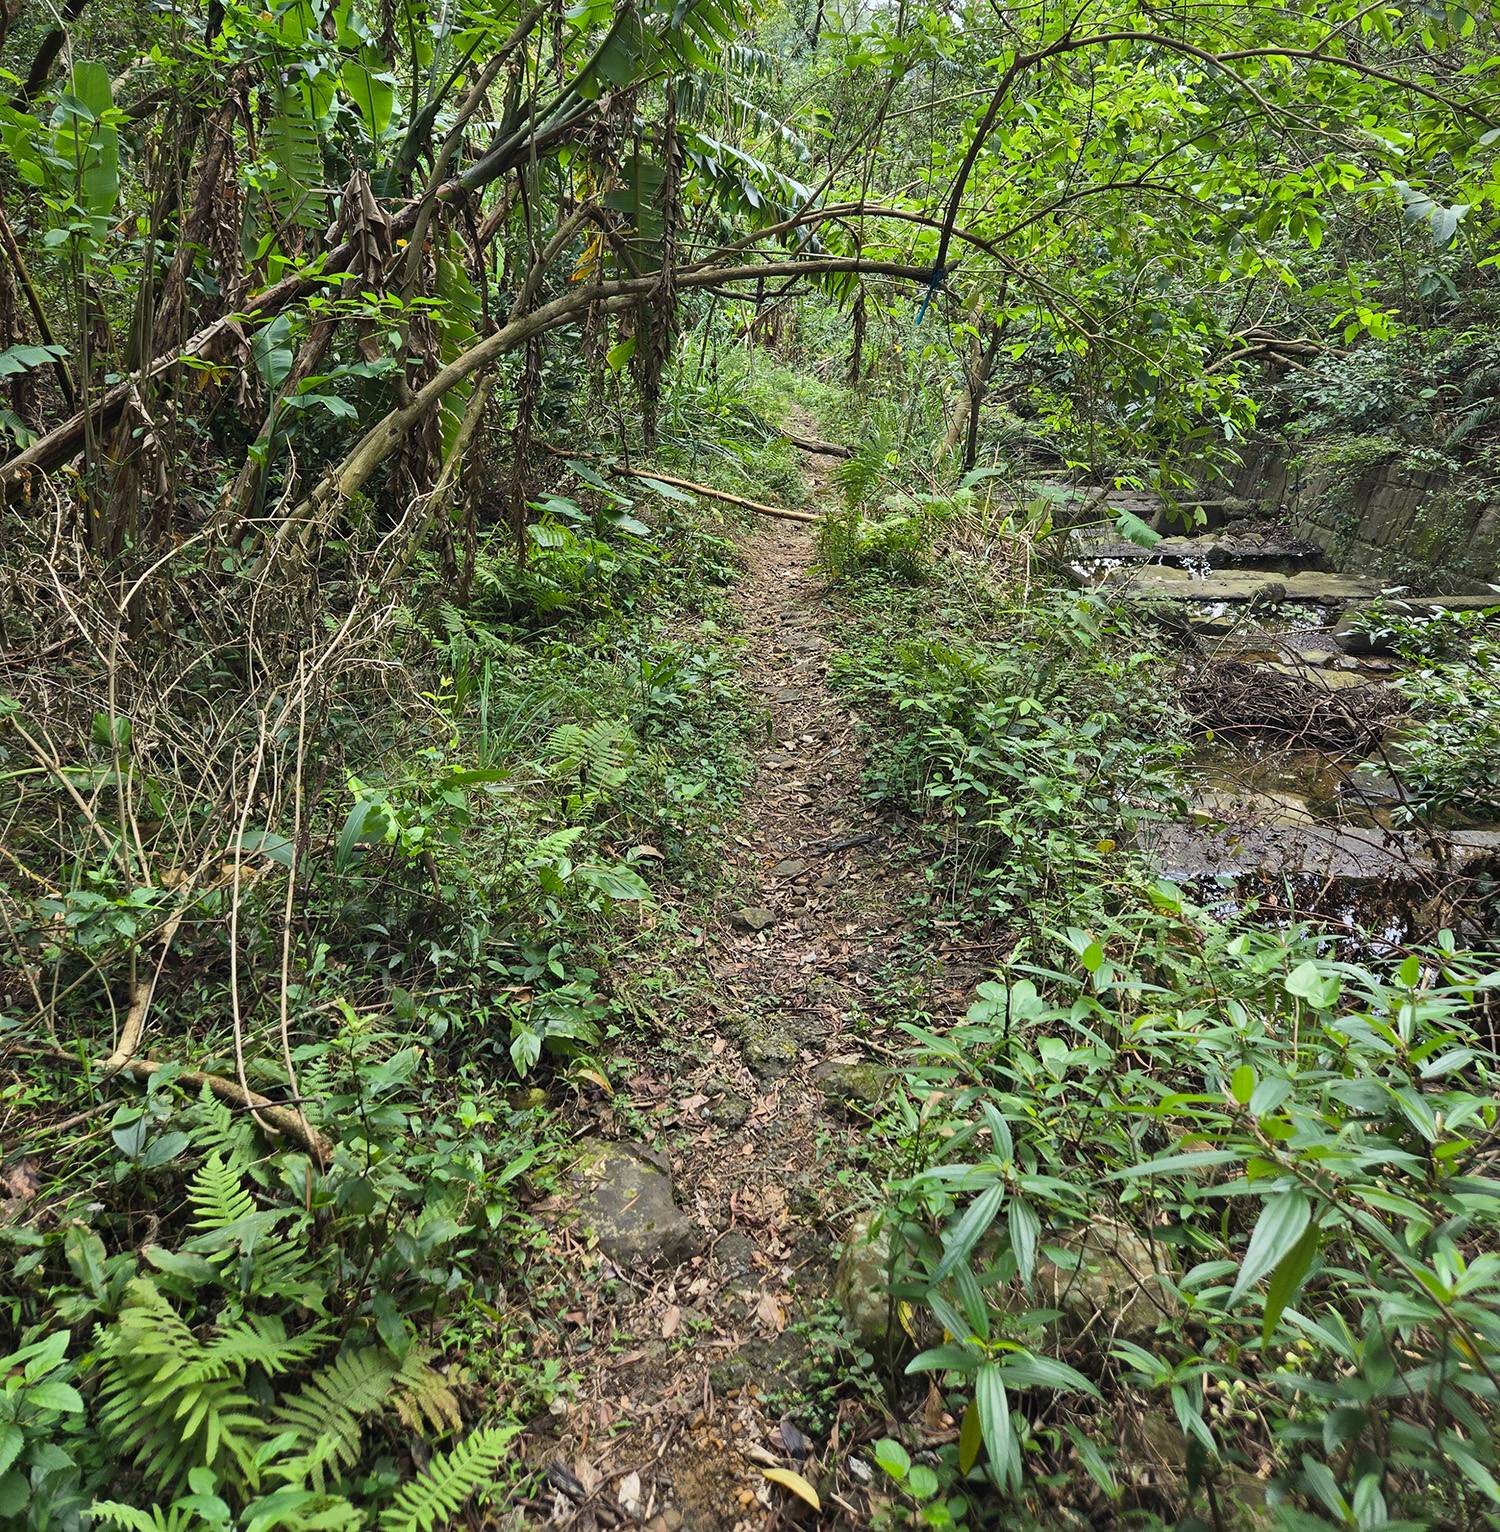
pixel 129 1518
pixel 327 1414
pixel 423 1397
pixel 218 1196
pixel 251 1248
pixel 174 1402
pixel 171 1402
pixel 451 1479
pixel 599 753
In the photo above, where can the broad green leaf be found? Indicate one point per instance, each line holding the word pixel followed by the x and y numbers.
pixel 1473 1470
pixel 1310 983
pixel 948 1358
pixel 969 1229
pixel 1094 1462
pixel 922 1482
pixel 1287 1279
pixel 19 359
pixel 15 1491
pixel 271 351
pixel 995 1423
pixel 1025 1228
pixel 53 1395
pixel 1280 1225
pixel 1196 1159
pixel 1131 527
pixel 668 491
pixel 615 881
pixel 892 1457
pixel 1019 1371
pixel 366 821
pixel 12 1439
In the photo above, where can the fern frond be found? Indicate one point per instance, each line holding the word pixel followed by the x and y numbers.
pixel 167 1402
pixel 599 751
pixel 255 1255
pixel 861 474
pixel 218 1194
pixel 1484 412
pixel 449 1481
pixel 230 1135
pixel 423 1397
pixel 327 1414
pixel 129 1518
pixel 260 1340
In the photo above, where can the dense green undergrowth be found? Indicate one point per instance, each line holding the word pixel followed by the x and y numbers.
pixel 1197 1220
pixel 214 1323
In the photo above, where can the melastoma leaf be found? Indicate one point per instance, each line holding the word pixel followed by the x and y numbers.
pixel 994 1423
pixel 969 1229
pixel 1287 1280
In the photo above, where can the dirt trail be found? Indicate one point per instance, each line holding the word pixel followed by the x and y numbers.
pixel 673 1429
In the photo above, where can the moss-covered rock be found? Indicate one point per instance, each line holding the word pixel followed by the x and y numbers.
pixel 623 1198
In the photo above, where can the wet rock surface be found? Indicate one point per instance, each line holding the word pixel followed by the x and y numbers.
pixel 861 1285
pixel 1187 851
pixel 1118 1281
pixel 1160 583
pixel 851 1084
pixel 753 917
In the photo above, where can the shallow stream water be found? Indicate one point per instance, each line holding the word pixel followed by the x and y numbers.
pixel 1306 835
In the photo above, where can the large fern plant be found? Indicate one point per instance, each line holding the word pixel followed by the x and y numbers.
pixel 274 1409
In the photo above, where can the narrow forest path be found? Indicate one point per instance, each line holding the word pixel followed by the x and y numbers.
pixel 692 1374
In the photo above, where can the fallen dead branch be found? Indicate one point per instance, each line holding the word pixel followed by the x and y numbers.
pixel 817 448
pixel 650 475
pixel 714 494
pixel 279 1119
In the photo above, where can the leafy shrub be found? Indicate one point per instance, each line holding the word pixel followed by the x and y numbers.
pixel 1450 756
pixel 1353 393
pixel 1021 751
pixel 1298 1150
pixel 895 547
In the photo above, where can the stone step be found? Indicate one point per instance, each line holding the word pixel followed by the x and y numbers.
pixel 1216 551
pixel 1164 583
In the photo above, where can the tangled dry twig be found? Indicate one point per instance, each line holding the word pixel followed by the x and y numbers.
pixel 1251 704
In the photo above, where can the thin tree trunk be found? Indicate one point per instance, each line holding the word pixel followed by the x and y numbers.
pixel 978 385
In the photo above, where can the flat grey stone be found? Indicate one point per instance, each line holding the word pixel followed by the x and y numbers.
pixel 753 917
pixel 769 1051
pixel 861 1286
pixel 1168 584
pixel 1118 1281
pixel 1181 851
pixel 851 1083
pixel 729 1111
